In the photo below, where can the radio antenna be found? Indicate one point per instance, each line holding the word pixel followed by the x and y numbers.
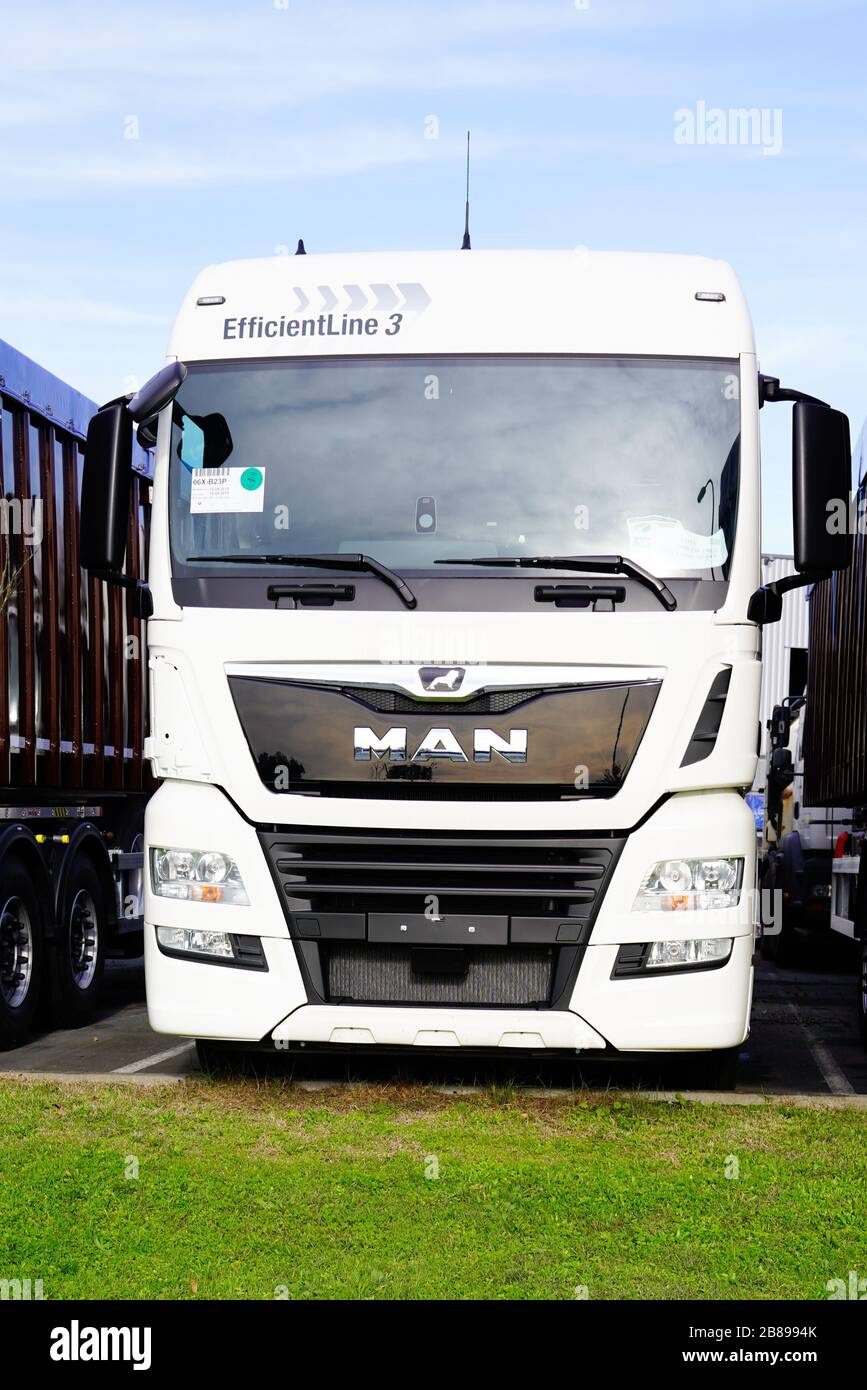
pixel 466 245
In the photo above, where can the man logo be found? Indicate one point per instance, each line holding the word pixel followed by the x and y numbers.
pixel 439 743
pixel 447 678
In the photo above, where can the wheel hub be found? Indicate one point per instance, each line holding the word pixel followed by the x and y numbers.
pixel 83 938
pixel 16 952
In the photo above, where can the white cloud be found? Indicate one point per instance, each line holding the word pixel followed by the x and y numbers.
pixel 66 309
pixel 279 157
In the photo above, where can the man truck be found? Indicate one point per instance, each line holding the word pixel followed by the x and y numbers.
pixel 455 617
pixel 73 780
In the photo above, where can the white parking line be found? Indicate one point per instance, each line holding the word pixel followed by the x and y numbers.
pixel 836 1080
pixel 152 1060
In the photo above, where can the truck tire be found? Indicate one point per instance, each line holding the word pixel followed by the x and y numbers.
pixel 779 947
pixel 213 1058
pixel 78 959
pixel 22 952
pixel 862 991
pixel 712 1071
pixel 218 1059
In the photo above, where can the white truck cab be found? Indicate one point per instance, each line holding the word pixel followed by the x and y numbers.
pixel 454 687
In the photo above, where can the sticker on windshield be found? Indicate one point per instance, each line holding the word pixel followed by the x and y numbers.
pixel 227 490
pixel 663 541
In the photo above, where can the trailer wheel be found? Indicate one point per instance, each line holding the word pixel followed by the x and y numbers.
pixel 79 957
pixel 862 992
pixel 21 952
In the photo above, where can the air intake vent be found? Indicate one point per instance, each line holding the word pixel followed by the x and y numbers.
pixel 704 735
pixel 484 702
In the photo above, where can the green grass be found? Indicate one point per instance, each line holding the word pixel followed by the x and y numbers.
pixel 243 1188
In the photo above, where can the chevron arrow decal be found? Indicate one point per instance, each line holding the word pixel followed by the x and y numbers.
pixel 405 297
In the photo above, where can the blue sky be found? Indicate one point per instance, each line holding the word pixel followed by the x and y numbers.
pixel 260 121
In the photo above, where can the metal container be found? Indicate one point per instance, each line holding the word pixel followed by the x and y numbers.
pixel 71 650
pixel 835 734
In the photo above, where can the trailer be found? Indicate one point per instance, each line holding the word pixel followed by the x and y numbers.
pixel 835 733
pixel 73 779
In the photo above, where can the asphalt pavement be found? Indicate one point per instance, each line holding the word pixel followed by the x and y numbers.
pixel 804 1041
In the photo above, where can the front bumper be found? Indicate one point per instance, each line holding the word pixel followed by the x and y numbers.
pixel 682 1012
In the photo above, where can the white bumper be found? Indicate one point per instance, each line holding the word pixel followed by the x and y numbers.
pixel 688 1011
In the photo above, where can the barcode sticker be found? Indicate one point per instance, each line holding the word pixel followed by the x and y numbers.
pixel 227 490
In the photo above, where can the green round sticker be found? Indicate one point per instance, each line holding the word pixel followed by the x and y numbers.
pixel 251 478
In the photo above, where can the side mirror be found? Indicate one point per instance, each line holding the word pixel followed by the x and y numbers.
pixel 821 477
pixel 105 489
pixel 781 774
pixel 779 725
pixel 217 443
pixel 781 762
pixel 106 481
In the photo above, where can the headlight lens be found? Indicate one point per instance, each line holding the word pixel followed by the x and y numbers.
pixel 683 885
pixel 199 876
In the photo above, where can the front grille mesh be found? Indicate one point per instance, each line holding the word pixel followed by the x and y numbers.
pixel 508 977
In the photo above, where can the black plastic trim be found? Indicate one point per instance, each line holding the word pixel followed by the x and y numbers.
pixel 704 735
pixel 457 593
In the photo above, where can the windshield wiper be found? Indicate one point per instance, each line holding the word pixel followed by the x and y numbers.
pixel 364 564
pixel 591 564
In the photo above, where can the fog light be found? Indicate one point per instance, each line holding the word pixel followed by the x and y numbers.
pixel 216 947
pixel 639 957
pixel 675 955
pixel 202 943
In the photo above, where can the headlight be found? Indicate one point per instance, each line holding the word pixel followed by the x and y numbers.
pixel 697 954
pixel 681 885
pixel 197 875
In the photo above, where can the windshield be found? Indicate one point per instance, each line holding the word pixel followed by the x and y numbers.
pixel 413 460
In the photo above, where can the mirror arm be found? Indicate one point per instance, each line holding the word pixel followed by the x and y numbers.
pixel 142 601
pixel 771 391
pixel 766 603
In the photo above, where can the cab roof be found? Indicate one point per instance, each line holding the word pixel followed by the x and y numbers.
pixel 579 301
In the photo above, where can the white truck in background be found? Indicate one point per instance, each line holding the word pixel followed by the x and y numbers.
pixel 455 601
